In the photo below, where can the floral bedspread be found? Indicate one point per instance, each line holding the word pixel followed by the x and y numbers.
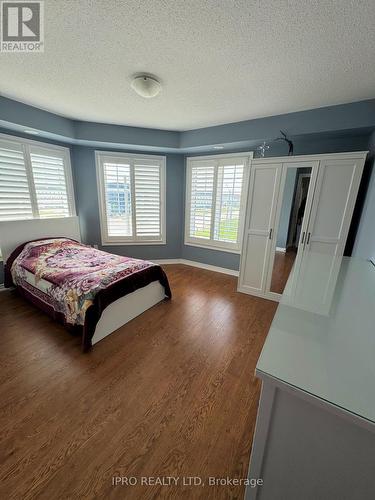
pixel 72 273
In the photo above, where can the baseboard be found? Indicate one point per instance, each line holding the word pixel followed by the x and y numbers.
pixel 209 267
pixel 167 261
pixel 201 265
pixel 280 249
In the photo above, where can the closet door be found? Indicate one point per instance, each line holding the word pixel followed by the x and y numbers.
pixel 292 216
pixel 259 227
pixel 332 209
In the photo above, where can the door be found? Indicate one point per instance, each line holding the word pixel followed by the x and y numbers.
pixel 259 227
pixel 292 215
pixel 333 204
pixel 298 204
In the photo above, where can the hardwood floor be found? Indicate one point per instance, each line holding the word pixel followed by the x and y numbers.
pixel 282 266
pixel 172 393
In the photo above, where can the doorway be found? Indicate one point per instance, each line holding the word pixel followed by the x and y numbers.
pixel 289 231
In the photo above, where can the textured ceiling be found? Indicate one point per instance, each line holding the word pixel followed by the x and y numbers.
pixel 220 61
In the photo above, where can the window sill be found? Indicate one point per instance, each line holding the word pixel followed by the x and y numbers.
pixel 132 243
pixel 212 247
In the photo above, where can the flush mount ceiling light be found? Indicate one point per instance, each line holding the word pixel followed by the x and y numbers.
pixel 146 86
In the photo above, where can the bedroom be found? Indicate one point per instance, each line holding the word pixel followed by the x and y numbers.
pixel 222 157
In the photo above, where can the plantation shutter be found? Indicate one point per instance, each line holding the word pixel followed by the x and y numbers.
pixel 147 188
pixel 201 198
pixel 228 201
pixel 215 197
pixel 131 193
pixel 118 199
pixel 15 200
pixel 50 185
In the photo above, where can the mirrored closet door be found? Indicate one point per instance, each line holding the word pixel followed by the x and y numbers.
pixel 295 205
pixel 294 201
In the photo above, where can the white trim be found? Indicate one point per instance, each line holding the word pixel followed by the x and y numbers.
pixel 212 244
pixel 209 267
pixel 100 156
pixel 132 243
pixel 201 265
pixel 280 249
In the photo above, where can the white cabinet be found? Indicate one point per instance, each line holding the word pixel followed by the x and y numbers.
pixel 315 429
pixel 260 219
pixel 286 217
pixel 334 198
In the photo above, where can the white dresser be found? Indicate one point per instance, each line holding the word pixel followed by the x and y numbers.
pixel 315 430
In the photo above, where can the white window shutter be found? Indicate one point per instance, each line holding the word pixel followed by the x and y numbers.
pixel 50 185
pixel 118 199
pixel 215 200
pixel 228 202
pixel 201 198
pixel 147 187
pixel 15 202
pixel 131 198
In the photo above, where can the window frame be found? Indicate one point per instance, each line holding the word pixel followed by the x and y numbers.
pixel 212 244
pixel 27 145
pixel 129 240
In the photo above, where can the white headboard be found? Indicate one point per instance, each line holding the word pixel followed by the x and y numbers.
pixel 16 232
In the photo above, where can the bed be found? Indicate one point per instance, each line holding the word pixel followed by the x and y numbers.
pixel 90 291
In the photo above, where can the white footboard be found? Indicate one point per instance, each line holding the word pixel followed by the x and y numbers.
pixel 126 308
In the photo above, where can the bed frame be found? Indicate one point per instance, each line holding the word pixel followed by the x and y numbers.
pixel 14 233
pixel 117 314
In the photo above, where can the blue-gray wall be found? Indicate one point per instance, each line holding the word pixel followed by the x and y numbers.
pixel 84 174
pixel 325 130
pixel 86 192
pixel 345 117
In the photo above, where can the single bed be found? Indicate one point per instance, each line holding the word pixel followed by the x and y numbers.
pixel 90 291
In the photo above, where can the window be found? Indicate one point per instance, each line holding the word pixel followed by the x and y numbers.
pixel 132 198
pixel 35 180
pixel 215 198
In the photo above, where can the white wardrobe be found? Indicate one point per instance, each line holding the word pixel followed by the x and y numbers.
pixel 295 204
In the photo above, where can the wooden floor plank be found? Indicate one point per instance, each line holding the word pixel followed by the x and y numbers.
pixel 172 393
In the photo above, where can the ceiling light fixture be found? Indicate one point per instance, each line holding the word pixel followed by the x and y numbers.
pixel 146 86
pixel 30 131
